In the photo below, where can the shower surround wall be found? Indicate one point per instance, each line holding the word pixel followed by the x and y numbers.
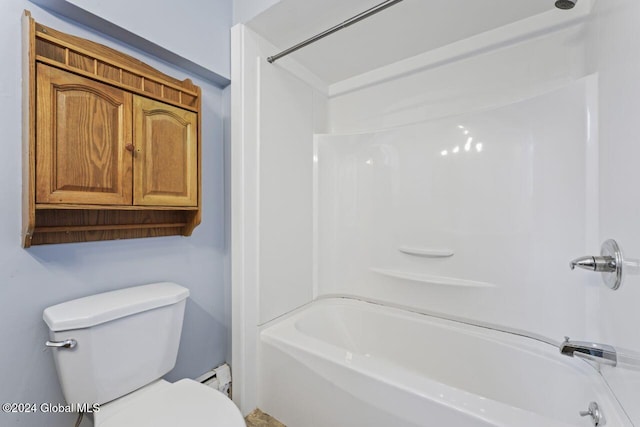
pixel 472 216
pixel 514 214
pixel 614 45
pixel 565 84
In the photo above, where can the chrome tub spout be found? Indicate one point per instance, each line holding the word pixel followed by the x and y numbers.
pixel 600 353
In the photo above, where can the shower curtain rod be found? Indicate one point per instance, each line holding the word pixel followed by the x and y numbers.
pixel 359 17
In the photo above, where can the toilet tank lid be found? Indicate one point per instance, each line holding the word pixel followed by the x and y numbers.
pixel 96 309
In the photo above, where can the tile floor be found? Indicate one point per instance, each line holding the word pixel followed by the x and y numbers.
pixel 259 419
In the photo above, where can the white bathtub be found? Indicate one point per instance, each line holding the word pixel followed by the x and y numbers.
pixel 347 363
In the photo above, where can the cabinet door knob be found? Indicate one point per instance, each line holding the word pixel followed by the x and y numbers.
pixel 129 147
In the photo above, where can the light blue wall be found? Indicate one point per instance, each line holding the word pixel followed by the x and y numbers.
pixel 245 10
pixel 31 280
pixel 196 29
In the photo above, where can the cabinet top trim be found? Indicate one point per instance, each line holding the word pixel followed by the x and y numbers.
pixel 108 65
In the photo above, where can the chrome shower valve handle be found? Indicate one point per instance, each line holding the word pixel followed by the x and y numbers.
pixel 609 263
pixel 594 263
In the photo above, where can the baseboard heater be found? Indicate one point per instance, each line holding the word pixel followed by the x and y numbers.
pixel 218 378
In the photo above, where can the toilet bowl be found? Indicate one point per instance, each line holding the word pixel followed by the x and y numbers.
pixel 112 349
pixel 163 404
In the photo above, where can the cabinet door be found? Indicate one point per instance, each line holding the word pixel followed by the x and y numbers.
pixel 166 154
pixel 83 128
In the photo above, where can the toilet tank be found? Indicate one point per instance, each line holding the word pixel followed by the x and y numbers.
pixel 126 339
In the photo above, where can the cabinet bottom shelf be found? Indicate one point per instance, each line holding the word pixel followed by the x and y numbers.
pixel 105 227
pixel 56 226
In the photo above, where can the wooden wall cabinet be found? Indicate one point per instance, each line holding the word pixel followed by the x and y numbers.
pixel 111 146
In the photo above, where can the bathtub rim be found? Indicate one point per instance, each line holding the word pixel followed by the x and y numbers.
pixel 430 313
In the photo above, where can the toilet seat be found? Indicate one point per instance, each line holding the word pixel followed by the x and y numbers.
pixel 185 402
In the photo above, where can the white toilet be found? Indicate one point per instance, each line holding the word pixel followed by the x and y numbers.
pixel 113 348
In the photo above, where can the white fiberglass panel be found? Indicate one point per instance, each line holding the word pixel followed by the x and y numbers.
pixel 285 178
pixel 474 215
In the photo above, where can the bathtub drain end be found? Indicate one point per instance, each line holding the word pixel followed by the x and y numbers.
pixel 596 415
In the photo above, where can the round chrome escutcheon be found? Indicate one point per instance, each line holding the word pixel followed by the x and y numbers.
pixel 613 279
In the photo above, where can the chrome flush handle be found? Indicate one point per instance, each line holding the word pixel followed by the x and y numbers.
pixel 70 343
